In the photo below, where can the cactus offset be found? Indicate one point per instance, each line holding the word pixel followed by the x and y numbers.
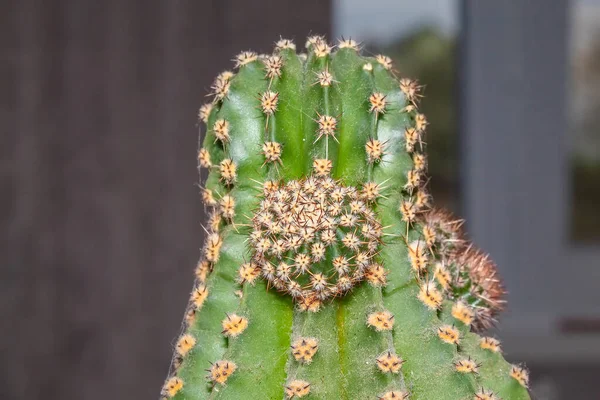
pixel 325 274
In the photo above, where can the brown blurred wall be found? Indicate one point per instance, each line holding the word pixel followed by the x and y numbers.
pixel 99 213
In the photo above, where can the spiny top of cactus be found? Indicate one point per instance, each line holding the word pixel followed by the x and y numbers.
pixel 325 272
pixel 315 238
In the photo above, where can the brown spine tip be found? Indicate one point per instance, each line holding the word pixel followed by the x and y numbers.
pixel 462 312
pixel 213 247
pixel 268 102
pixel 422 199
pixel 204 112
pixel 351 241
pixel 214 220
pixel 341 263
pixel 411 138
pixel 420 122
pixel 283 44
pixel 381 321
pixel 410 89
pixel 202 271
pixel 185 343
pixel 221 130
pixel 449 334
pixel 466 366
pixel 370 191
pixel 199 295
pixel 374 149
pixel 313 40
pixel 385 61
pixel 377 102
pixel 376 275
pixel 389 362
pixel 430 295
pixel 322 167
pixel 327 126
pixel 409 109
pixel 420 162
pixel 172 386
pixel 234 325
pixel 491 344
pixel 220 89
pixel 417 255
pixel 309 303
pixel 248 272
pixel 272 151
pixel 408 210
pixel 321 49
pixel 304 349
pixel 208 198
pixel 273 66
pixel 348 44
pixel 297 388
pixel 228 171
pixel 324 78
pixel 269 187
pixel 221 371
pixel 226 75
pixel 204 158
pixel 442 276
pixel 227 207
pixel 190 316
pixel 484 394
pixel 429 235
pixel 520 374
pixel 393 395
pixel 445 223
pixel 413 180
pixel 244 58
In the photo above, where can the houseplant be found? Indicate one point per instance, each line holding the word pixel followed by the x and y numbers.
pixel 326 273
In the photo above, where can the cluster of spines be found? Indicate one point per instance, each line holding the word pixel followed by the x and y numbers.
pixel 315 239
pixel 413 208
pixel 462 271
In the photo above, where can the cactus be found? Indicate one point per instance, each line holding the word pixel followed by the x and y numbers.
pixel 325 273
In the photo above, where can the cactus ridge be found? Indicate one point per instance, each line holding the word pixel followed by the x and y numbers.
pixel 325 273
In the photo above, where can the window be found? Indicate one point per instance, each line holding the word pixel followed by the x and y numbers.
pixel 584 120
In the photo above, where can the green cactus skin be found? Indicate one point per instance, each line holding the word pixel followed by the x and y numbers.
pixel 397 319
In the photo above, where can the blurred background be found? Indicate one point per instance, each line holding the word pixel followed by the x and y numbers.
pixel 100 214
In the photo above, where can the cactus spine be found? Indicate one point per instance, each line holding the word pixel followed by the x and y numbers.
pixel 325 274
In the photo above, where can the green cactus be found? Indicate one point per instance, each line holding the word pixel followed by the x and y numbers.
pixel 325 273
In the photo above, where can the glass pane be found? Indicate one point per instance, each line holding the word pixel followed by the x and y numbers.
pixel 584 119
pixel 421 39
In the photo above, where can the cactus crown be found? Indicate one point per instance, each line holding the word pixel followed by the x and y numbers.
pixel 315 239
pixel 325 273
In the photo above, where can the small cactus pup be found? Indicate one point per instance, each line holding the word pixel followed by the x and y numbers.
pixel 326 273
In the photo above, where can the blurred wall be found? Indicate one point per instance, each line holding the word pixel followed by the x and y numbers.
pixel 99 213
